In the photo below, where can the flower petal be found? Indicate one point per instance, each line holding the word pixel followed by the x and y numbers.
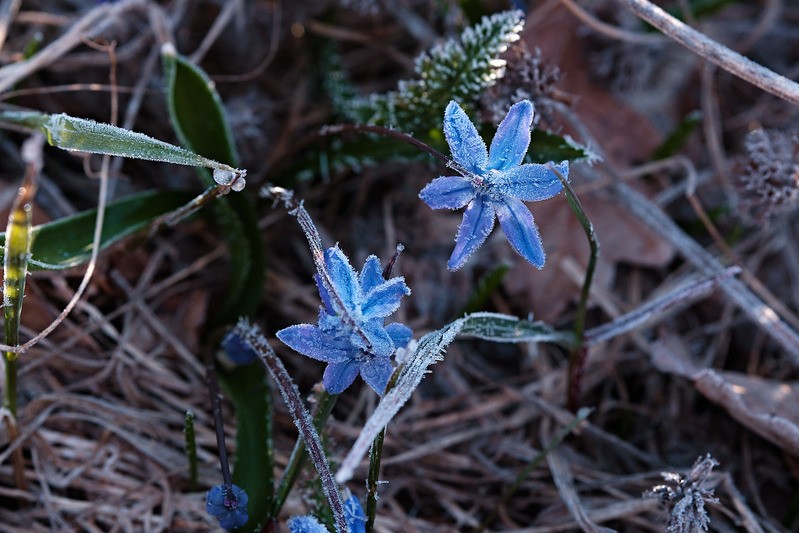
pixel 376 373
pixel 305 524
pixel 468 148
pixel 400 334
pixel 313 342
pixel 380 343
pixel 371 274
pixel 327 303
pixel 531 182
pixel 512 137
pixel 353 511
pixel 384 299
pixel 478 221
pixel 345 281
pixel 339 376
pixel 448 192
pixel 519 227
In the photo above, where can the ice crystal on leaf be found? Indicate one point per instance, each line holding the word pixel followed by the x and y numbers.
pixel 493 184
pixel 228 505
pixel 351 334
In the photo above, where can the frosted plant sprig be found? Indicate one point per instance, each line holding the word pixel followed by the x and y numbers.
pixel 493 184
pixel 460 69
pixel 351 335
pixel 690 494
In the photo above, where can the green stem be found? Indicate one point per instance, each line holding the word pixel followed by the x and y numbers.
pixel 372 481
pixel 324 405
pixel 191 450
pixel 579 352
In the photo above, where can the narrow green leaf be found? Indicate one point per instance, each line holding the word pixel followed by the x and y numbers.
pixel 78 134
pixel 248 388
pixel 198 117
pixel 67 242
pixel 546 147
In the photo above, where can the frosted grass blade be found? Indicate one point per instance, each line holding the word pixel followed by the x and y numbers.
pixel 83 135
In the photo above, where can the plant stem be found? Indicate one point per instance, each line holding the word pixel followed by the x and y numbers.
pixel 373 480
pixel 191 450
pixel 579 352
pixel 216 403
pixel 302 419
pixel 324 405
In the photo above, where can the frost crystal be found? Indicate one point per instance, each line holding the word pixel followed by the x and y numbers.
pixel 351 335
pixel 493 184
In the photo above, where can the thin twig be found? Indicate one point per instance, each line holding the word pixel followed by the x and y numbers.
pixel 614 32
pixel 711 50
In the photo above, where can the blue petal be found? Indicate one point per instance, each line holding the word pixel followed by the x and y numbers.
pixel 531 182
pixel 376 373
pixel 371 274
pixel 345 281
pixel 448 192
pixel 478 221
pixel 324 295
pixel 384 299
pixel 400 334
pixel 356 518
pixel 339 376
pixel 311 341
pixel 380 343
pixel 466 145
pixel 512 138
pixel 519 227
pixel 306 524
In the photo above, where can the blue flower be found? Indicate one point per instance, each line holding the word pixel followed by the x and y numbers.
pixel 227 506
pixel 356 519
pixel 351 335
pixel 494 184
pixel 306 524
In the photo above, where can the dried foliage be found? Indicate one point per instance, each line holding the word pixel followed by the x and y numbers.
pixel 103 400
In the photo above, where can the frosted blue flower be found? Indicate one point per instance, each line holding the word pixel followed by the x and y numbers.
pixel 351 335
pixel 306 524
pixel 494 184
pixel 227 506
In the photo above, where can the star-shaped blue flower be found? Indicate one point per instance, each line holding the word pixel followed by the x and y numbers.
pixel 351 335
pixel 229 506
pixel 494 184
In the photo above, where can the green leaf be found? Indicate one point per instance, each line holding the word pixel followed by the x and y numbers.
pixel 198 117
pixel 67 242
pixel 82 135
pixel 248 388
pixel 546 147
pixel 497 327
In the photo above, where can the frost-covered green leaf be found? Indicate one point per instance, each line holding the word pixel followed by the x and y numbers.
pixel 456 70
pixel 67 242
pixel 83 135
